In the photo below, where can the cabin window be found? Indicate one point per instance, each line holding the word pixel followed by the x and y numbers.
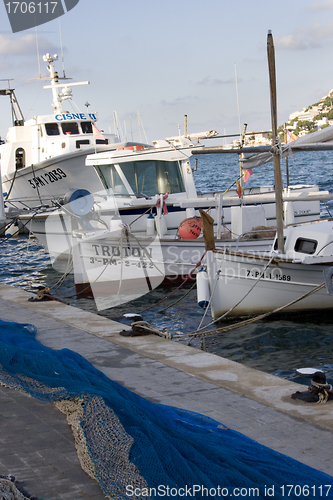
pixel 19 158
pixel 70 128
pixel 111 180
pixel 86 127
pixel 148 177
pixel 83 141
pixel 101 141
pixel 303 245
pixel 52 129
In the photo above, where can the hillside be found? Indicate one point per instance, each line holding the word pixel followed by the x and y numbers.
pixel 312 118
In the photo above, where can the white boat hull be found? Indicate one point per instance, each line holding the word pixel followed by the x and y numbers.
pixel 231 276
pixel 94 260
pixel 118 269
pixel 50 179
pixel 54 233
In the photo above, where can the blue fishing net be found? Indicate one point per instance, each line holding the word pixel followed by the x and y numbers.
pixel 144 450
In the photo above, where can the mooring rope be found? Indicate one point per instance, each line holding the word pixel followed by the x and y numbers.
pixel 189 276
pixel 255 318
pixel 178 300
pixel 239 302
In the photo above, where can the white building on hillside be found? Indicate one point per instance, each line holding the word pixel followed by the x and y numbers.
pixel 305 115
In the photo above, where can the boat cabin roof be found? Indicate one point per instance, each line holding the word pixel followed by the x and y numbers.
pixel 161 150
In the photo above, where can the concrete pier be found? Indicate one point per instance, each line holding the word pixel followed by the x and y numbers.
pixel 37 445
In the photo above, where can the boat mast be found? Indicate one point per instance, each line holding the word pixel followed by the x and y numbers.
pixel 66 87
pixel 275 145
pixel 57 104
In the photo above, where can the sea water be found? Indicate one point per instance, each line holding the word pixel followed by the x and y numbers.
pixel 276 346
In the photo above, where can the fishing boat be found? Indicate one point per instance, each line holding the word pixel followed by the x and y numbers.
pixel 249 283
pixel 295 276
pixel 44 157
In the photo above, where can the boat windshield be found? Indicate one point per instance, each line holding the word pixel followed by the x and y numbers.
pixel 52 129
pixel 70 128
pixel 86 127
pixel 148 177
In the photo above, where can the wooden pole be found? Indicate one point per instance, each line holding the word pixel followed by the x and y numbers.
pixel 241 156
pixel 276 155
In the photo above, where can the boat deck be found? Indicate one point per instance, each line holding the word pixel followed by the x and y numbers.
pixel 37 446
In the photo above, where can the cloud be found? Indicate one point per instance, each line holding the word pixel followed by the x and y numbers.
pixel 208 80
pixel 310 37
pixel 178 101
pixel 318 6
pixel 24 45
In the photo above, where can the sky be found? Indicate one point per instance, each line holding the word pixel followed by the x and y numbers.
pixel 167 59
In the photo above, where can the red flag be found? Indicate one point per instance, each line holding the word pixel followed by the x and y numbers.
pixel 247 174
pixel 97 133
pixel 239 189
pixel 291 136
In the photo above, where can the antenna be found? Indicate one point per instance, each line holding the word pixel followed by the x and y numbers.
pixel 239 120
pixel 117 126
pixel 7 80
pixel 114 125
pixel 141 125
pixel 62 52
pixel 138 115
pixel 40 74
pixel 130 119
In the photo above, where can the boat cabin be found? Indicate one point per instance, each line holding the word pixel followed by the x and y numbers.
pixel 306 240
pixel 44 137
pixel 143 171
pixel 49 136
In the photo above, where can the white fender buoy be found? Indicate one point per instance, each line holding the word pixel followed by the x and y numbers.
pixel 161 225
pixel 12 231
pixel 150 228
pixel 203 294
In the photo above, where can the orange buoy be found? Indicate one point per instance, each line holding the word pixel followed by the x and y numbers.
pixel 190 229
